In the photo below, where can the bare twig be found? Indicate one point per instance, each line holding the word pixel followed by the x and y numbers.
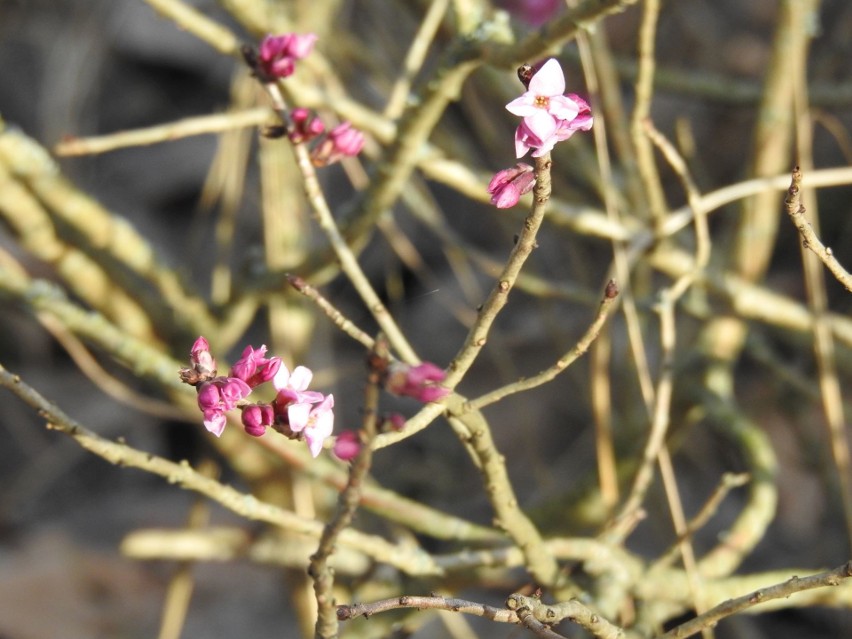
pixel 350 496
pixel 561 364
pixel 796 211
pixel 782 590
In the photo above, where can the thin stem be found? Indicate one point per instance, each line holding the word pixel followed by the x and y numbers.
pixel 778 591
pixel 549 374
pixel 348 501
pixel 641 112
pixel 348 260
pixel 526 241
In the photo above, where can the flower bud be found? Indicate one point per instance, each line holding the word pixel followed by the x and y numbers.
pixel 419 382
pixel 507 186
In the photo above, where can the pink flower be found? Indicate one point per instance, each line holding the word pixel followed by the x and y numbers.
pixel 231 390
pixel 548 115
pixel 278 54
pixel 256 418
pixel 508 185
pixel 342 141
pixel 347 445
pixel 254 368
pixel 418 381
pixel 293 387
pixel 316 423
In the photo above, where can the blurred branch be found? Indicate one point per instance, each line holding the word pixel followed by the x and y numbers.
pixel 108 240
pixel 188 18
pixel 169 132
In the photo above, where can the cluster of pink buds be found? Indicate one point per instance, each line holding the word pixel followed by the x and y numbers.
pixel 277 55
pixel 342 141
pixel 420 382
pixel 295 411
pixel 305 126
pixel 347 444
pixel 275 59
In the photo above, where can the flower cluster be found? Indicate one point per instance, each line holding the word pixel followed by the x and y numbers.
pixel 549 115
pixel 278 54
pixel 295 411
pixel 276 58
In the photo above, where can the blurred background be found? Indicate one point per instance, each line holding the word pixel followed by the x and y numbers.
pixel 72 68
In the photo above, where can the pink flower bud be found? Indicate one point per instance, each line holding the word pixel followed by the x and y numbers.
pixel 203 366
pixel 342 141
pixel 306 126
pixel 208 396
pixel 347 445
pixel 254 368
pixel 419 382
pixel 277 55
pixel 534 12
pixel 508 185
pixel 256 418
pixel 395 421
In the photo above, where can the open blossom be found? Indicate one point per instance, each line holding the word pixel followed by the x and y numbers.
pixel 549 116
pixel 507 186
pixel 419 382
pixel 293 387
pixel 278 54
pixel 315 423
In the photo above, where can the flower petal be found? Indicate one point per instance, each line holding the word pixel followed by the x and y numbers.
pixel 548 80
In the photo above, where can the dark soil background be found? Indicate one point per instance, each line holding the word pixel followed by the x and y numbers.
pixel 69 67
